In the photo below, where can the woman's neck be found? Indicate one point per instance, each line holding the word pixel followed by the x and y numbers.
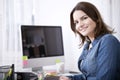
pixel 91 37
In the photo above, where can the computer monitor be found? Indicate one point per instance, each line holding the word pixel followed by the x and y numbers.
pixel 43 45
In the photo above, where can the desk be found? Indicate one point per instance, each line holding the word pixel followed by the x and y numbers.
pixel 36 75
pixel 57 77
pixel 32 76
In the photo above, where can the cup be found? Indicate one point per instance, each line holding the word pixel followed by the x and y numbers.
pixel 60 67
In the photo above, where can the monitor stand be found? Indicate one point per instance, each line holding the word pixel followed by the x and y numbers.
pixel 38 70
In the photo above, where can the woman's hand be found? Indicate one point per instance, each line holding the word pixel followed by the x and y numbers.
pixel 64 78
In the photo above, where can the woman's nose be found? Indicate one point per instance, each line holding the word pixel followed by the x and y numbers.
pixel 79 25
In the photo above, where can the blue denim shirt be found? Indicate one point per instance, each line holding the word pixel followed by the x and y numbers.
pixel 102 61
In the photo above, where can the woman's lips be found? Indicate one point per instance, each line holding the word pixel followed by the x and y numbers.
pixel 83 29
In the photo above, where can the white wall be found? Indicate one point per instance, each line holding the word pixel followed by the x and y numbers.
pixel 115 17
pixel 1 24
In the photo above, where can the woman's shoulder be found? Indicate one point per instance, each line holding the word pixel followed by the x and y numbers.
pixel 109 38
pixel 108 35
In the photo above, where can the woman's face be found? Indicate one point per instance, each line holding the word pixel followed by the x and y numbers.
pixel 84 24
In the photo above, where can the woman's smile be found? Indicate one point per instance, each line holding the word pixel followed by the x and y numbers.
pixel 83 29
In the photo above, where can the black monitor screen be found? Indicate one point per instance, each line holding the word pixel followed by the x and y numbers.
pixel 42 41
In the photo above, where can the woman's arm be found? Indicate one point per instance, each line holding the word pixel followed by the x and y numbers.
pixel 107 59
pixel 74 77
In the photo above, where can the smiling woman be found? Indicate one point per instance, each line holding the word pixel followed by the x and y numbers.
pixel 85 14
pixel 101 53
pixel 84 24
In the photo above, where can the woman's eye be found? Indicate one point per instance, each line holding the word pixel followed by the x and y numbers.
pixel 85 18
pixel 75 22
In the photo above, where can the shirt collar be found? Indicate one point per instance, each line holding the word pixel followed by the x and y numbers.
pixel 96 40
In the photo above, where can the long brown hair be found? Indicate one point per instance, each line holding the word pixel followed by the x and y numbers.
pixel 94 14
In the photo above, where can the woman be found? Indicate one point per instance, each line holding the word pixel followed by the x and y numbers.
pixel 100 59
